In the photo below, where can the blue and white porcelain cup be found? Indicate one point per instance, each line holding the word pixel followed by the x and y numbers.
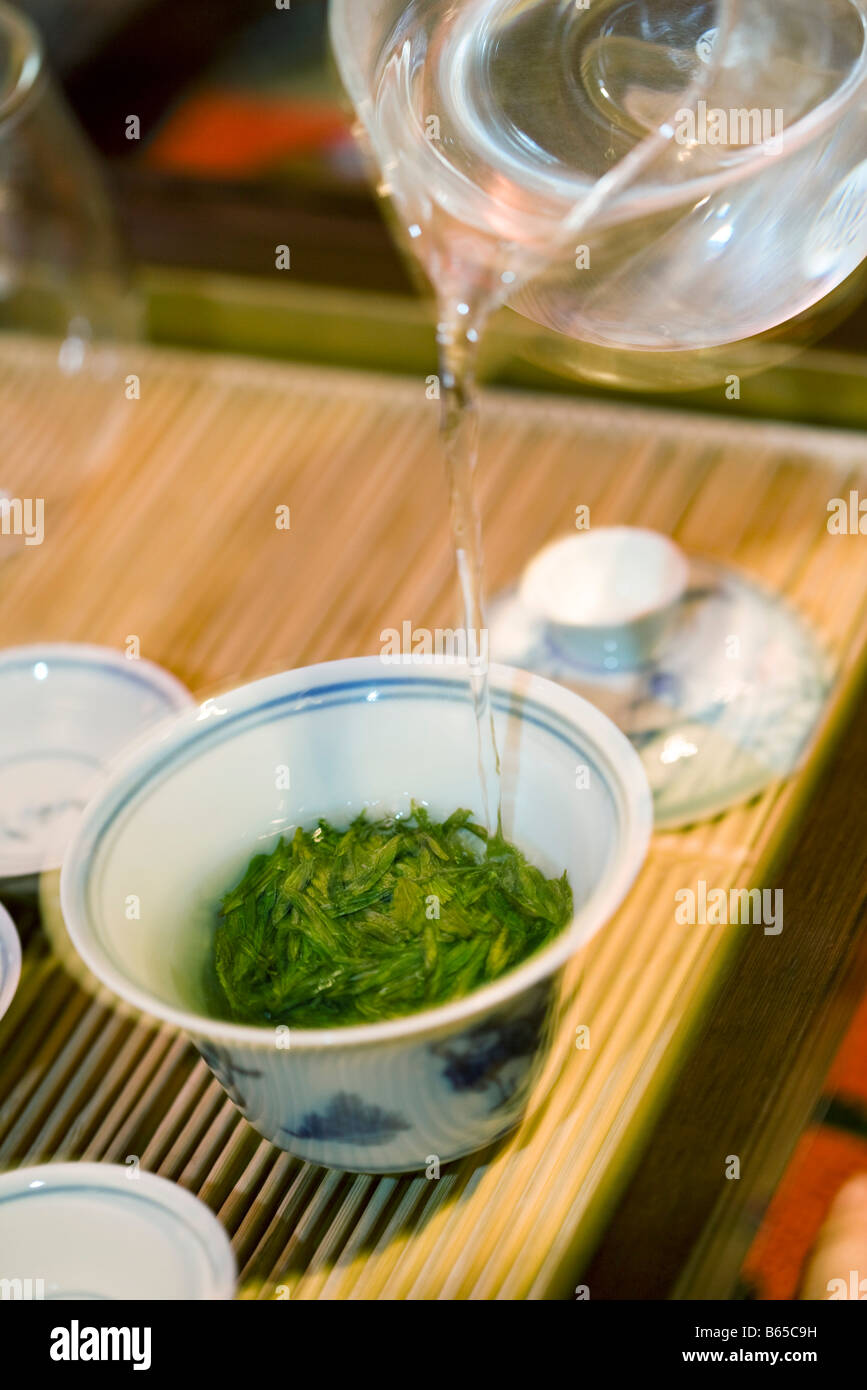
pixel 608 596
pixel 179 821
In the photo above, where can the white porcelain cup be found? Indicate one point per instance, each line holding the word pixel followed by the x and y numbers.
pixel 608 595
pixel 178 823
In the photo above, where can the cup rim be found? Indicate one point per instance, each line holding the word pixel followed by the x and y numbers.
pixel 671 594
pixel 627 783
pixel 159 1192
pixel 10 960
pixel 21 27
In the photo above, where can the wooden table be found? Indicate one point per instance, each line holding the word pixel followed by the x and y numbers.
pixel 171 539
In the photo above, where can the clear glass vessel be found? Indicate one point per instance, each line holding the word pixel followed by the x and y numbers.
pixel 66 298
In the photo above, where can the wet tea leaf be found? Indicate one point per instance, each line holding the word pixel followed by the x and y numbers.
pixel 333 926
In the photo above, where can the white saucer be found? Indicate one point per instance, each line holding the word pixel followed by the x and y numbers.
pixel 83 1231
pixel 66 711
pixel 726 704
pixel 10 960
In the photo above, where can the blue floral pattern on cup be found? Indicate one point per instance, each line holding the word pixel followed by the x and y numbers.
pixel 483 1058
pixel 347 1119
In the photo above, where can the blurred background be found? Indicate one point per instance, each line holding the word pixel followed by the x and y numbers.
pixel 243 143
pixel 244 139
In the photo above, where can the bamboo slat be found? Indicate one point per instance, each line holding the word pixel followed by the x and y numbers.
pixel 170 537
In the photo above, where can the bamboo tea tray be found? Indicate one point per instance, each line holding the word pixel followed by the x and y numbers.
pixel 172 540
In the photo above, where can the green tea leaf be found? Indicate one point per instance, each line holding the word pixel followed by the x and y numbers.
pixel 378 920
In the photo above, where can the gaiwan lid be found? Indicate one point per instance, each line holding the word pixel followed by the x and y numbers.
pixel 83 1231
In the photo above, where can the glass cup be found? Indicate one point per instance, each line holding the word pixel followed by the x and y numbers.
pixel 66 301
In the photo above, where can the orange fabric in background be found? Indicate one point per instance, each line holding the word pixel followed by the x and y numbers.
pixel 225 134
pixel 824 1159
